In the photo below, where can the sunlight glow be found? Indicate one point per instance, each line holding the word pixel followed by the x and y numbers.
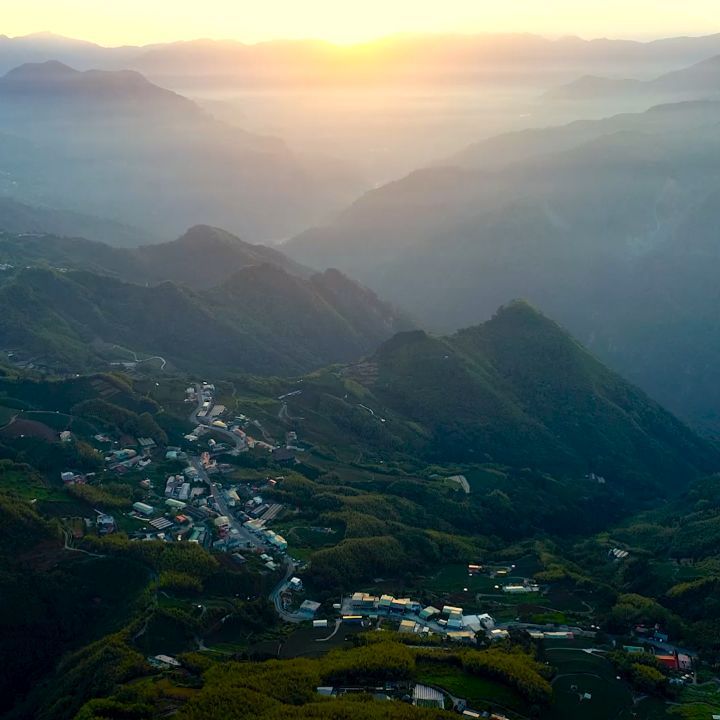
pixel 115 22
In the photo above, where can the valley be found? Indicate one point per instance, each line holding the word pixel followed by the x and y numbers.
pixel 292 534
pixel 359 379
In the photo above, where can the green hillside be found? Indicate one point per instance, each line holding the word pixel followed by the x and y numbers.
pixel 610 226
pixel 517 390
pixel 262 320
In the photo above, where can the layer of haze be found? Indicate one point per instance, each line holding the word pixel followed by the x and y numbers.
pixel 138 21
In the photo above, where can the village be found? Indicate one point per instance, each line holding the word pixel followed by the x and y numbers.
pixel 194 504
pixel 194 493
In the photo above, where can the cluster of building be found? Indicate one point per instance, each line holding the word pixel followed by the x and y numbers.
pixel 422 696
pixel 125 459
pixel 449 620
pixel 675 660
pixel 177 487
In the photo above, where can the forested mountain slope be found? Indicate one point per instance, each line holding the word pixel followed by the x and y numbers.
pixel 517 390
pixel 261 320
pixel 576 219
pixel 201 258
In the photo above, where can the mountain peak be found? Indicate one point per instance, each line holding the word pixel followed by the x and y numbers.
pixel 48 70
pixel 209 234
pixel 519 310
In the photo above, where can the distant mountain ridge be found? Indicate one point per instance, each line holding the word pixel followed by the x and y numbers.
pixel 574 218
pixel 113 144
pixel 700 80
pixel 260 320
pixel 201 258
pixel 124 91
pixel 404 55
pixel 20 218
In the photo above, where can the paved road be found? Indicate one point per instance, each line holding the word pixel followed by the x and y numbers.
pixel 275 598
pixel 243 534
pixel 138 360
pixel 236 440
pixel 69 546
pixel 338 623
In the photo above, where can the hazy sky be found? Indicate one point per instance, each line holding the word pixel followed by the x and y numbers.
pixel 143 21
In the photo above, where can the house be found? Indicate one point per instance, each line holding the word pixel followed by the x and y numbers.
pixel 320 623
pixel 455 621
pixel 427 697
pixel 105 524
pixel 478 622
pixel 464 636
pixel 429 612
pixel 143 508
pixel 65 436
pixel 487 621
pixel 407 626
pixel 363 600
pixel 668 661
pixel 449 609
pixel 385 602
pixel 166 660
pixel 198 536
pixel 277 541
pixel 400 605
pixel 296 584
pixel 684 661
pixel 124 454
pixel 173 485
pixel 309 608
pixel 175 504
